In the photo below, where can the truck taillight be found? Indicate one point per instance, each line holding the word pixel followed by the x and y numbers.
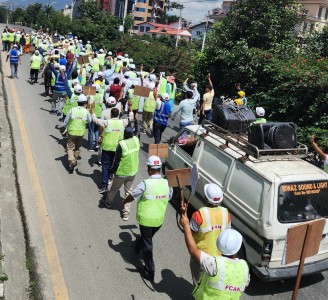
pixel 266 251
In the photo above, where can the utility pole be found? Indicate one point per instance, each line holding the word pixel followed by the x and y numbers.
pixel 181 7
pixel 206 27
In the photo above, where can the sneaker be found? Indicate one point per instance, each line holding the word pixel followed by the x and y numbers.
pixel 91 150
pixel 53 112
pixel 125 217
pixel 99 163
pixel 71 169
pixel 103 190
pixel 143 132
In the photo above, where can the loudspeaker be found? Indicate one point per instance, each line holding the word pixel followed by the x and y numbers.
pixel 273 135
pixel 233 117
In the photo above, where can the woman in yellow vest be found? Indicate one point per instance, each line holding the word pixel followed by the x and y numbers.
pixel 224 277
pixel 206 225
pixel 152 196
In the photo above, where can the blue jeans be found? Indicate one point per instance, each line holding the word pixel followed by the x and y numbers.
pixel 93 135
pixel 171 101
pixel 13 69
pixel 183 125
pixel 208 114
pixel 107 158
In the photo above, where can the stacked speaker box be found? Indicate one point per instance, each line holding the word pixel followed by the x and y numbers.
pixel 234 118
pixel 273 135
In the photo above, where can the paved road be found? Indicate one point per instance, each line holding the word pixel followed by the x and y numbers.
pixel 94 245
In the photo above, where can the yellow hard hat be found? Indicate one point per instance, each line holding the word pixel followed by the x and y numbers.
pixel 241 94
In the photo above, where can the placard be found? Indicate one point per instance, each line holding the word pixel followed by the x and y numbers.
pixel 160 150
pixel 89 90
pixel 184 177
pixel 32 49
pixel 142 91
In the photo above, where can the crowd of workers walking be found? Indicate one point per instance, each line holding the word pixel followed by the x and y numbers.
pixel 95 87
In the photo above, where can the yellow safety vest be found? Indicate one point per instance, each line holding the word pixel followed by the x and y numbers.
pixel 135 99
pixel 162 86
pixel 4 36
pixel 78 121
pixel 70 103
pixel 129 163
pixel 150 103
pixel 101 57
pixel 98 99
pixel 118 66
pixel 152 205
pixel 95 66
pixel 11 37
pixel 215 219
pixel 113 133
pixel 228 284
pixel 36 61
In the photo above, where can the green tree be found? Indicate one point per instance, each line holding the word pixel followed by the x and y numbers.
pixel 256 45
pixel 18 15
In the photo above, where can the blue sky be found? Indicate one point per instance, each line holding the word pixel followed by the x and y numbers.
pixel 195 10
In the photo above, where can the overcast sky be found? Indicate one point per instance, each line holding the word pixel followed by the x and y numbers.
pixel 196 10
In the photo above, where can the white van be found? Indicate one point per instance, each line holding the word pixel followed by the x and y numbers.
pixel 266 193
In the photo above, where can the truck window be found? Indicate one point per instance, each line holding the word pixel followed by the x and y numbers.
pixel 215 163
pixel 187 142
pixel 302 201
pixel 247 187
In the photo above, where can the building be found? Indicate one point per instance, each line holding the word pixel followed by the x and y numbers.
pixel 149 11
pixel 198 30
pixel 219 13
pixel 157 30
pixel 316 17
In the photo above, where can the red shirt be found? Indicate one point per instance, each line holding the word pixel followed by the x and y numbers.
pixel 115 91
pixel 70 56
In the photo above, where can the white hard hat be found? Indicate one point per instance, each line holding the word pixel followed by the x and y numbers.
pixel 75 81
pixel 36 52
pixel 56 65
pixel 260 111
pixel 132 66
pixel 97 86
pixel 110 53
pixel 229 242
pixel 82 98
pixel 126 55
pixel 78 88
pixel 130 60
pixel 101 50
pixel 88 42
pixel 80 41
pixel 62 68
pixel 152 77
pixel 154 162
pixel 100 73
pixel 111 100
pixel 15 46
pixel 119 57
pixel 165 96
pixel 213 193
pixel 127 74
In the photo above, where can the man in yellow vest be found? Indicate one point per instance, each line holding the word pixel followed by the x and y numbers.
pixel 101 56
pixel 111 132
pixel 4 39
pixel 94 63
pixel 76 122
pixel 125 166
pixel 206 225
pixel 152 196
pixel 11 39
pixel 35 64
pixel 225 276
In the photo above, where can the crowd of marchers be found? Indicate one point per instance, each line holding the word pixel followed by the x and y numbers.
pixel 98 91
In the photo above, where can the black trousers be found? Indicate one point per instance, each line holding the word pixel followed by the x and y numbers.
pixel 158 129
pixel 34 73
pixel 145 243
